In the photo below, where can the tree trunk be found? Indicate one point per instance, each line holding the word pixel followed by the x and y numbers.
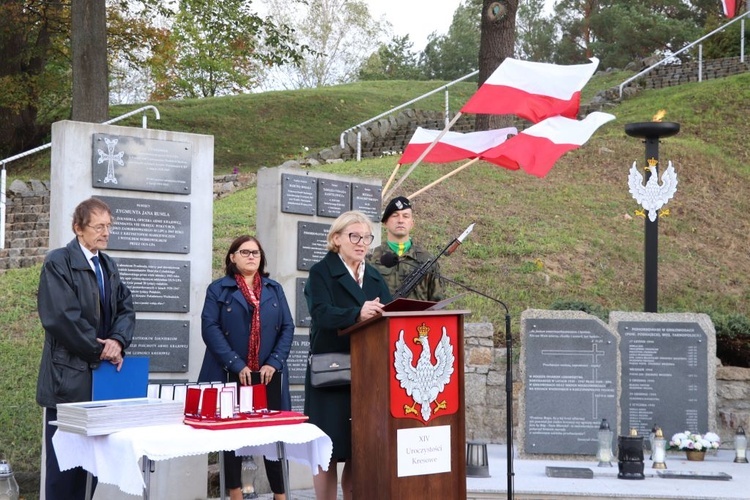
pixel 497 40
pixel 88 40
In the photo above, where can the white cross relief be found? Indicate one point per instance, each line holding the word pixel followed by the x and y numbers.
pixel 594 354
pixel 110 157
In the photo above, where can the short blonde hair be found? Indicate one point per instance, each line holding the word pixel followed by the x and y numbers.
pixel 342 222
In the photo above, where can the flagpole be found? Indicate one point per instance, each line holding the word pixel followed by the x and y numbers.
pixel 449 174
pixel 390 179
pixel 424 153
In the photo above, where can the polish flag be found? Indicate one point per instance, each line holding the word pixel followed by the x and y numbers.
pixel 532 90
pixel 537 148
pixel 730 7
pixel 453 146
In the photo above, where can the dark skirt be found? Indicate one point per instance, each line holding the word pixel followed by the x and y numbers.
pixel 330 409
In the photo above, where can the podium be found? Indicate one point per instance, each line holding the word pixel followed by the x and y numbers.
pixel 408 443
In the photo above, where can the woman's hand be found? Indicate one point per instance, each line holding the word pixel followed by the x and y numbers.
pixel 370 308
pixel 266 372
pixel 244 376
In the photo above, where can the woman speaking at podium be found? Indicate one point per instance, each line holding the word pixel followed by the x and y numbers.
pixel 340 291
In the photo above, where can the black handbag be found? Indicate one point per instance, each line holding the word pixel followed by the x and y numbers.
pixel 330 369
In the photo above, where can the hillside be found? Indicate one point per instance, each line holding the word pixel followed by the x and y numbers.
pixel 571 236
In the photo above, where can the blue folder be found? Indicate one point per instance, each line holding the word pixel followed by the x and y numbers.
pixel 130 382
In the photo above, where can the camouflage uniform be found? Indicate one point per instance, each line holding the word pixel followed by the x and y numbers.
pixel 429 288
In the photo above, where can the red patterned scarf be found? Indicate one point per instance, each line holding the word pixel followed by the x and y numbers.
pixel 253 298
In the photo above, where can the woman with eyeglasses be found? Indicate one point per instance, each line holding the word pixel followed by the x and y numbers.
pixel 247 327
pixel 341 290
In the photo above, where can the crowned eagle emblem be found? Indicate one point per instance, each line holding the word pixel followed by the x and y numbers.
pixel 653 195
pixel 425 381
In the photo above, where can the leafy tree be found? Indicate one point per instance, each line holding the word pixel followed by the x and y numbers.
pixel 392 61
pixel 453 55
pixel 217 47
pixel 621 31
pixel 340 35
pixel 535 32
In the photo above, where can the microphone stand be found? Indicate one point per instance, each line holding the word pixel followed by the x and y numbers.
pixel 508 381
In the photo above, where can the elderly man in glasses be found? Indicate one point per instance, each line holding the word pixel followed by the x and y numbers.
pixel 88 318
pixel 407 256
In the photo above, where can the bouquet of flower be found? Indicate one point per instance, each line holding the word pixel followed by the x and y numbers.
pixel 689 441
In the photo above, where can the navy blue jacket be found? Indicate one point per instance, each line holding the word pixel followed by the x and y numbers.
pixel 225 328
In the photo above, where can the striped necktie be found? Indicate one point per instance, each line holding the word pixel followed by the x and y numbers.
pixel 99 276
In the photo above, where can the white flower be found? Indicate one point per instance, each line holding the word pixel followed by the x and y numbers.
pixel 689 441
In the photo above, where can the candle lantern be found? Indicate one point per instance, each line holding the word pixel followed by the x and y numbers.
pixel 630 456
pixel 659 450
pixel 740 446
pixel 604 455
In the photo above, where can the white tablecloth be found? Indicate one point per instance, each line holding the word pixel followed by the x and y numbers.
pixel 114 458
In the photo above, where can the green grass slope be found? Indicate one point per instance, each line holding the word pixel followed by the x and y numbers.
pixel 571 236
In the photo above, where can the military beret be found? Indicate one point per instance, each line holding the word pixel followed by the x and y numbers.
pixel 397 203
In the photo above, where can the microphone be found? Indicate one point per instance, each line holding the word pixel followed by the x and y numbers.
pixel 389 259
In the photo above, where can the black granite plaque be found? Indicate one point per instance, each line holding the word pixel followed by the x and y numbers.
pixel 710 476
pixel 139 164
pixel 664 377
pixel 569 472
pixel 157 285
pixel 298 400
pixel 165 342
pixel 299 194
pixel 366 199
pixel 311 243
pixel 302 314
pixel 297 360
pixel 334 197
pixel 570 384
pixel 149 225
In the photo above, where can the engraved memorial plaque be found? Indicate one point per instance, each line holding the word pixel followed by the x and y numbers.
pixel 312 239
pixel 299 194
pixel 302 314
pixel 149 225
pixel 334 197
pixel 139 164
pixel 298 400
pixel 165 342
pixel 297 360
pixel 664 377
pixel 157 285
pixel 570 384
pixel 366 199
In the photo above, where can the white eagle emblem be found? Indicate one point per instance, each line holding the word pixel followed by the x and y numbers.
pixel 653 195
pixel 425 381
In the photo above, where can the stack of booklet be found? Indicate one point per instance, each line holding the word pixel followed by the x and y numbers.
pixel 96 418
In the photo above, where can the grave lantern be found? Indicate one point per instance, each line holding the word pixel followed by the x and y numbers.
pixel 740 446
pixel 659 450
pixel 604 455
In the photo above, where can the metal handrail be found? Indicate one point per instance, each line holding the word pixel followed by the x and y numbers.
pixel 381 115
pixel 700 55
pixel 3 175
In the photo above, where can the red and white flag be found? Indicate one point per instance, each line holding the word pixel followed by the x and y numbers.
pixel 532 90
pixel 537 148
pixel 730 7
pixel 453 146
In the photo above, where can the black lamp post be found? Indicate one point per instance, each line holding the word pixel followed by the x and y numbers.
pixel 651 132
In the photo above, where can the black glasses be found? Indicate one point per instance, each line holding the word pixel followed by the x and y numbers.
pixel 99 228
pixel 356 238
pixel 249 253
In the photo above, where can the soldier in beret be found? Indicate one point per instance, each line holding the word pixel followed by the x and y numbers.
pixel 398 219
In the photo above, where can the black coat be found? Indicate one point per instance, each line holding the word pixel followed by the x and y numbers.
pixel 334 300
pixel 68 306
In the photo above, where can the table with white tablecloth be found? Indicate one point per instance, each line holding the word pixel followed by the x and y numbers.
pixel 116 458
